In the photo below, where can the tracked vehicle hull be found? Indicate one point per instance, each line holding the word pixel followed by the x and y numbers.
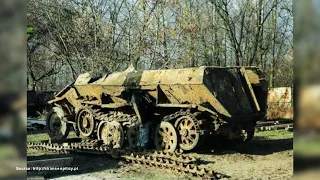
pixel 167 109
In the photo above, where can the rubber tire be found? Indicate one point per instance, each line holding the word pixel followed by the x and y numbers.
pixel 132 129
pixel 64 129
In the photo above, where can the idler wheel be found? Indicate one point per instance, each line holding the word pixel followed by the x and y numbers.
pixel 166 137
pixel 187 129
pixel 85 122
pixel 57 129
pixel 112 134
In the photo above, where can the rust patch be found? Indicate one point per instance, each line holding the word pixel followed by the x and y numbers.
pixel 212 86
pixel 309 108
pixel 280 103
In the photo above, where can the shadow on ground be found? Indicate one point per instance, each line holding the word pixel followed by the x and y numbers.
pixel 258 146
pixel 36 131
pixel 86 163
pixel 302 163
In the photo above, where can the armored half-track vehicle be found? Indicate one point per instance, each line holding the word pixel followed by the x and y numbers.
pixel 169 109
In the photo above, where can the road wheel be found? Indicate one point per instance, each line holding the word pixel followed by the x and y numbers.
pixel 249 134
pixel 188 134
pixel 133 135
pixel 166 137
pixel 85 122
pixel 112 134
pixel 57 129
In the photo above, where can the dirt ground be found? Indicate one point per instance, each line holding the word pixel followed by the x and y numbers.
pixel 268 156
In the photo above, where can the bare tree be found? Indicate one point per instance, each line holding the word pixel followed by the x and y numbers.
pixel 101 36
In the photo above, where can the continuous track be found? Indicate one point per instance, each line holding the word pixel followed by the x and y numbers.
pixel 160 159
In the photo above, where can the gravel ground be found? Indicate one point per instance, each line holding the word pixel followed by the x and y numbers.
pixel 268 156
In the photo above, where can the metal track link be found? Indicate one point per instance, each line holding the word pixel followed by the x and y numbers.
pixel 175 115
pixel 175 156
pixel 159 159
pixel 173 165
pixel 127 119
pixel 183 112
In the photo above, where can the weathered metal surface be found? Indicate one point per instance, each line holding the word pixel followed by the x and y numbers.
pixel 241 95
pixel 280 95
pixel 231 99
pixel 309 108
pixel 280 102
pixel 254 99
pixel 193 94
pixel 223 89
pixel 154 77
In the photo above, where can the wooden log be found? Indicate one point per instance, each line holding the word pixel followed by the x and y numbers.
pixel 290 128
pixel 274 127
pixel 36 177
pixel 266 123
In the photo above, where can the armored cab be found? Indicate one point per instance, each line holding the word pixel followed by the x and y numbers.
pixel 179 106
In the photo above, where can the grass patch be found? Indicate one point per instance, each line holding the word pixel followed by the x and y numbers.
pixel 275 134
pixel 37 137
pixel 8 151
pixel 307 147
pixel 44 136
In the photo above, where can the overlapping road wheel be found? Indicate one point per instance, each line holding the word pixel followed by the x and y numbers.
pixel 249 134
pixel 112 134
pixel 58 129
pixel 187 129
pixel 133 135
pixel 166 137
pixel 85 122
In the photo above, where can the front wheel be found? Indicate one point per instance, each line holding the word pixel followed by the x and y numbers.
pixel 58 130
